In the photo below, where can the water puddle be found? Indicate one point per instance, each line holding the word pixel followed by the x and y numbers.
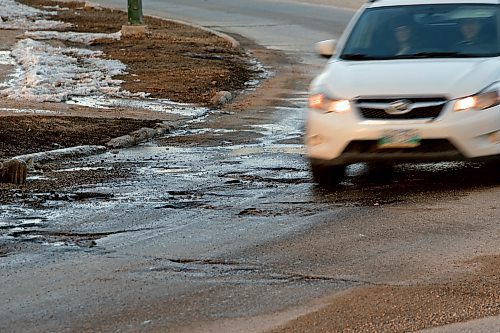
pixel 275 149
pixel 202 131
pixel 149 170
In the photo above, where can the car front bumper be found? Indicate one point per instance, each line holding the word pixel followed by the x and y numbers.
pixel 334 139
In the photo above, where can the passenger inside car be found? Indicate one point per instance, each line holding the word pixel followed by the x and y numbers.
pixel 475 36
pixel 404 39
pixel 470 31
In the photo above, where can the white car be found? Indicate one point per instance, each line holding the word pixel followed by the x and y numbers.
pixel 408 81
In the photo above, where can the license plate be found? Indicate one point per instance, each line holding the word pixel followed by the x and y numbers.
pixel 399 139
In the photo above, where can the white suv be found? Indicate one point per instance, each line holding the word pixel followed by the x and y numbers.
pixel 409 80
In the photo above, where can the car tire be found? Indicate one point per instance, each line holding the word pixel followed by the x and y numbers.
pixel 381 171
pixel 324 175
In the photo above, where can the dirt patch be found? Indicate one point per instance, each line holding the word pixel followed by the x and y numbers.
pixel 408 308
pixel 31 134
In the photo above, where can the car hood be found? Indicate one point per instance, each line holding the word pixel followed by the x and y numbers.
pixel 451 78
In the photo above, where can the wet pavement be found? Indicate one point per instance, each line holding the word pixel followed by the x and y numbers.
pixel 266 178
pixel 211 222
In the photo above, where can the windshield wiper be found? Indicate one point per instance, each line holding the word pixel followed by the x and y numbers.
pixel 357 56
pixel 437 55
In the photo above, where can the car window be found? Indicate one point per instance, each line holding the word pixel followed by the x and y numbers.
pixel 424 31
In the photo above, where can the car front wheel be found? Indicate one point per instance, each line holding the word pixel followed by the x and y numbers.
pixel 325 175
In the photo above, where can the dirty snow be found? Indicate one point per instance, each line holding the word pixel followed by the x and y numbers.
pixel 17 16
pixel 28 111
pixel 154 105
pixel 5 58
pixel 74 37
pixel 44 73
pixel 54 74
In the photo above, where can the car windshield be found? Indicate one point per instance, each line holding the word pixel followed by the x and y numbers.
pixel 425 31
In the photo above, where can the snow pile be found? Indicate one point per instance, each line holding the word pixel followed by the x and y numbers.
pixel 17 16
pixel 54 74
pixel 75 37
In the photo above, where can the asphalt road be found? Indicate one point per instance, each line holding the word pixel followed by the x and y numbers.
pixel 232 235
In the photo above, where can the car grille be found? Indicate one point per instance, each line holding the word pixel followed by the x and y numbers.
pixel 419 108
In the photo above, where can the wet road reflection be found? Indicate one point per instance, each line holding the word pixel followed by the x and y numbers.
pixel 366 185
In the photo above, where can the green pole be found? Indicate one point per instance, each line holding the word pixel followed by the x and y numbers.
pixel 135 12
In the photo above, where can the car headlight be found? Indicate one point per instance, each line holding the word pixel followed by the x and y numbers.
pixel 321 102
pixel 485 99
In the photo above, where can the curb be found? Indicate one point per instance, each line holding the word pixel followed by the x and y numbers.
pixel 125 141
pixel 234 43
pixel 141 135
pixel 51 155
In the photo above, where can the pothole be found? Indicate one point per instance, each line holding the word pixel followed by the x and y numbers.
pixel 184 205
pixel 51 238
pixel 42 199
pixel 287 177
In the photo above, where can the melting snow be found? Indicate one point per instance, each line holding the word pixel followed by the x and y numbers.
pixel 5 58
pixel 17 16
pixel 30 111
pixel 75 37
pixel 44 73
pixel 154 105
pixel 54 73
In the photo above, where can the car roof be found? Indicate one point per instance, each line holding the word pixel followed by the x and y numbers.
pixel 385 3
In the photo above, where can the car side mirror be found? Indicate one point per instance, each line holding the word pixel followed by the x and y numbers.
pixel 326 48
